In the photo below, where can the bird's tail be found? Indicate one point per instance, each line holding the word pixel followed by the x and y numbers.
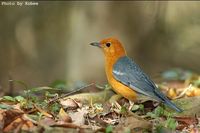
pixel 166 101
pixel 172 105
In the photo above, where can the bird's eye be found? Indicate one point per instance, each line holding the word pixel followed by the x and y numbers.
pixel 108 44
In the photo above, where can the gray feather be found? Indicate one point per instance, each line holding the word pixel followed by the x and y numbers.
pixel 130 74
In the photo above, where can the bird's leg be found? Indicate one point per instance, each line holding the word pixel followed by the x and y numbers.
pixel 131 105
pixel 115 98
pixel 115 106
pixel 91 103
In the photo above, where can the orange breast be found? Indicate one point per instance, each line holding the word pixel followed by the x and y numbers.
pixel 122 89
pixel 117 86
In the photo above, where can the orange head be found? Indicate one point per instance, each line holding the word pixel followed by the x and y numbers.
pixel 111 47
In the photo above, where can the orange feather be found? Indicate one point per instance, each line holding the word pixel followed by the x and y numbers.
pixel 112 54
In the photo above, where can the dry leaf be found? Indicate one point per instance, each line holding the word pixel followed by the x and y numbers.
pixel 43 112
pixel 66 125
pixel 171 93
pixel 132 123
pixel 197 92
pixel 1 120
pixel 187 120
pixel 18 124
pixel 47 121
pixel 10 115
pixel 78 117
pixel 69 103
pixel 194 130
pixel 64 116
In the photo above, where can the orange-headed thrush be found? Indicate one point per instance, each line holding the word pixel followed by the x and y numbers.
pixel 125 76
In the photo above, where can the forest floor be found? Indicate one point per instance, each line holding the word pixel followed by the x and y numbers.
pixel 95 108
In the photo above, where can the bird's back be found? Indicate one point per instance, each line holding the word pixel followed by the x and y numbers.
pixel 130 74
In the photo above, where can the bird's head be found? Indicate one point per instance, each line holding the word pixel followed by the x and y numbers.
pixel 111 47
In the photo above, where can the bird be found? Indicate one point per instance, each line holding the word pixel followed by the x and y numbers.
pixel 126 77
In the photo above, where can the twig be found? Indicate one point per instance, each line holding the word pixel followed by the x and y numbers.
pixel 25 117
pixel 70 125
pixel 74 91
pixel 183 92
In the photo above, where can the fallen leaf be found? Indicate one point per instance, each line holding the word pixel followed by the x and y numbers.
pixel 66 125
pixel 69 103
pixel 78 117
pixel 96 120
pixel 10 115
pixel 135 107
pixel 111 118
pixel 133 124
pixel 186 120
pixel 171 93
pixel 100 97
pixel 194 130
pixel 19 124
pixel 43 112
pixel 64 116
pixel 197 92
pixel 1 120
pixel 47 121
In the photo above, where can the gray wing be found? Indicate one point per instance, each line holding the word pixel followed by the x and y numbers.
pixel 130 74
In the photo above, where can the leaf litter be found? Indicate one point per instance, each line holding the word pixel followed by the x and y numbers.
pixel 99 110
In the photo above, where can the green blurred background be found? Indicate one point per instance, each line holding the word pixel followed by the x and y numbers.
pixel 40 44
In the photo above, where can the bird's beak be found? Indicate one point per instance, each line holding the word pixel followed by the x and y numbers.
pixel 97 44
